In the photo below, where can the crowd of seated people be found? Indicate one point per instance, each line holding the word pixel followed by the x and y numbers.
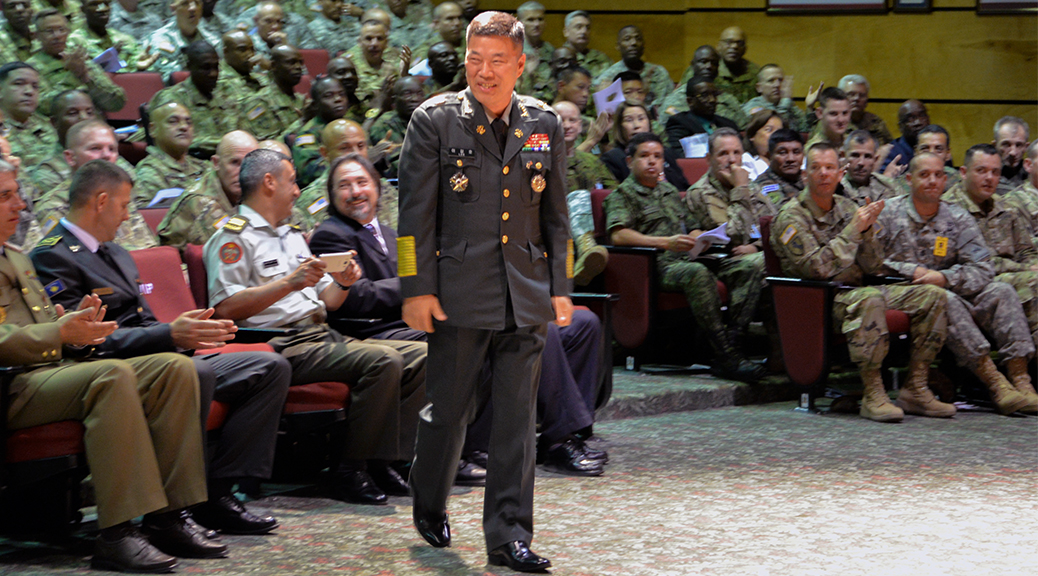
pixel 264 163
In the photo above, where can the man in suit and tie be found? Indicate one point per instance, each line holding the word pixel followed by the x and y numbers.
pixel 78 258
pixel 485 262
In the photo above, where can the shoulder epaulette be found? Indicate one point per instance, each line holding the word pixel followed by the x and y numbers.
pixel 441 99
pixel 50 241
pixel 236 224
pixel 9 246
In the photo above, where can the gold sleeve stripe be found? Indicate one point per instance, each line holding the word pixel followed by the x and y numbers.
pixel 569 258
pixel 407 260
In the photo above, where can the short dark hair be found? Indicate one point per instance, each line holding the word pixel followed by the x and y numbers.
pixel 195 50
pixel 92 178
pixel 859 137
pixel 819 147
pixel 720 133
pixel 935 129
pixel 628 76
pixel 781 136
pixel 491 23
pixel 695 81
pixel 831 93
pixel 6 69
pixel 982 148
pixel 356 159
pixel 639 139
pixel 757 121
pixel 46 14
pixel 566 74
pixel 256 165
pixel 320 79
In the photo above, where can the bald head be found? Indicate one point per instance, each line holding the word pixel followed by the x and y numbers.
pixel 171 129
pixel 379 15
pixel 276 146
pixel 732 45
pixel 227 161
pixel 911 118
pixel 341 137
pixel 238 51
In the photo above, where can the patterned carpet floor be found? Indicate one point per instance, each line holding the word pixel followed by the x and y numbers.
pixel 755 490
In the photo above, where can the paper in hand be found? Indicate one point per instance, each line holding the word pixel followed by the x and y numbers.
pixel 109 60
pixel 608 99
pixel 696 145
pixel 710 237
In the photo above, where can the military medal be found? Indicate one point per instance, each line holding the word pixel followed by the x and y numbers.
pixel 518 133
pixel 459 182
pixel 537 183
pixel 481 130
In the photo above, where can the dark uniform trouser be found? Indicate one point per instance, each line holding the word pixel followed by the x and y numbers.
pixel 255 385
pixel 387 383
pixel 142 437
pixel 456 360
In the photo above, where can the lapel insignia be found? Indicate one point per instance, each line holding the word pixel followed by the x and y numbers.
pixel 522 110
pixel 518 133
pixel 459 182
pixel 537 183
pixel 103 291
pixel 75 248
pixel 529 164
pixel 481 130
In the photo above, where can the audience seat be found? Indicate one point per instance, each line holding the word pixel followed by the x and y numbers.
pixel 304 85
pixel 803 311
pixel 139 87
pixel 179 76
pixel 693 168
pixel 133 152
pixel 315 60
pixel 153 217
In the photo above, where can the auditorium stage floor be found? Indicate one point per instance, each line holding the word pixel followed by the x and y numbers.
pixel 754 490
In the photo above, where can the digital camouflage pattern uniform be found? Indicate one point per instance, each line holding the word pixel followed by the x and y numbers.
pixel 584 171
pixel 69 8
pixel 140 23
pixel 334 36
pixel 306 150
pixel 196 214
pixel 778 189
pixel 1010 240
pixel 32 140
pixel 159 171
pixel 1007 185
pixel 168 43
pixel 242 87
pixel 794 117
pixel 270 112
pixel 727 107
pixel 655 78
pixel 904 188
pixel 48 174
pixel 878 188
pixel 312 205
pixel 951 242
pixel 659 212
pixel 818 245
pixel 875 126
pixel 743 86
pixel 127 46
pixel 15 48
pixel 1025 200
pixel 594 61
pixel 211 117
pixel 412 30
pixel 369 80
pixel 54 79
pixel 133 234
pixel 741 207
pixel 386 123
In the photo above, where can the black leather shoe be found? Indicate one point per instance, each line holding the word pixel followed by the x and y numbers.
pixel 470 474
pixel 433 526
pixel 569 458
pixel 182 541
pixel 518 556
pixel 479 458
pixel 228 515
pixel 388 480
pixel 741 370
pixel 356 487
pixel 130 553
pixel 592 454
pixel 207 532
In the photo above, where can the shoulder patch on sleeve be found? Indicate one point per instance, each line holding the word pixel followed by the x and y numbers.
pixel 769 188
pixel 55 287
pixel 306 140
pixel 230 253
pixel 236 224
pixel 256 112
pixel 788 234
pixel 49 241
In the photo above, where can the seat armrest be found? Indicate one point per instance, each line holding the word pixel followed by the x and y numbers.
pixel 258 335
pixel 870 280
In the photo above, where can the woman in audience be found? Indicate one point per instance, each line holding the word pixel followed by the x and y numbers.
pixel 755 159
pixel 628 120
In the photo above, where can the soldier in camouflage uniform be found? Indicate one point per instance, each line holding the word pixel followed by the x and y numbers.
pixel 237 75
pixel 170 40
pixel 1007 235
pixel 29 133
pixel 771 87
pixel 1025 198
pixel 95 36
pixel 833 116
pixel 1011 136
pixel 783 181
pixel 538 51
pixel 87 141
pixel 857 89
pixel 823 236
pixel 342 137
pixel 932 242
pixel 736 75
pixel 332 29
pixel 935 140
pixel 576 30
pixel 16 37
pixel 329 97
pixel 409 24
pixel 643 211
pixel 207 204
pixel 705 62
pixel 374 61
pixel 407 96
pixel 271 111
pixel 147 17
pixel 276 22
pixel 860 183
pixel 214 112
pixel 447 26
pixel 632 47
pixel 62 69
pixel 167 165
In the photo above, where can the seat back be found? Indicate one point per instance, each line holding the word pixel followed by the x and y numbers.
pixel 179 76
pixel 162 282
pixel 772 266
pixel 304 85
pixel 153 217
pixel 632 275
pixel 598 196
pixel 315 60
pixel 693 168
pixel 139 87
pixel 196 274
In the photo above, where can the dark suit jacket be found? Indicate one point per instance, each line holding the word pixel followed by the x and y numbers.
pixel 685 124
pixel 373 304
pixel 82 272
pixel 488 234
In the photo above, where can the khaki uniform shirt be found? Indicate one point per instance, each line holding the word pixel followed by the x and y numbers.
pixel 54 79
pixel 159 171
pixel 741 207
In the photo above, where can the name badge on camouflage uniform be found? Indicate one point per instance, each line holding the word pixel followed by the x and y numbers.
pixel 940 247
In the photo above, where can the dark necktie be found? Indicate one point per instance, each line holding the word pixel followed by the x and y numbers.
pixel 498 125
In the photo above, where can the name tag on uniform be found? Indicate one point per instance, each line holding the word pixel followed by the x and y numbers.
pixel 317 206
pixel 146 288
pixel 270 263
pixel 940 246
pixel 461 152
pixel 103 291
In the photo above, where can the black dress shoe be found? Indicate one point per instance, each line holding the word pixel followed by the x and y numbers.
pixel 388 480
pixel 470 474
pixel 179 539
pixel 740 369
pixel 356 487
pixel 130 553
pixel 592 454
pixel 478 457
pixel 433 526
pixel 228 515
pixel 209 533
pixel 569 458
pixel 518 556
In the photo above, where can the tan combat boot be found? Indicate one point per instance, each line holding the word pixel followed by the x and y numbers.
pixel 1021 381
pixel 916 397
pixel 592 260
pixel 875 404
pixel 1003 395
